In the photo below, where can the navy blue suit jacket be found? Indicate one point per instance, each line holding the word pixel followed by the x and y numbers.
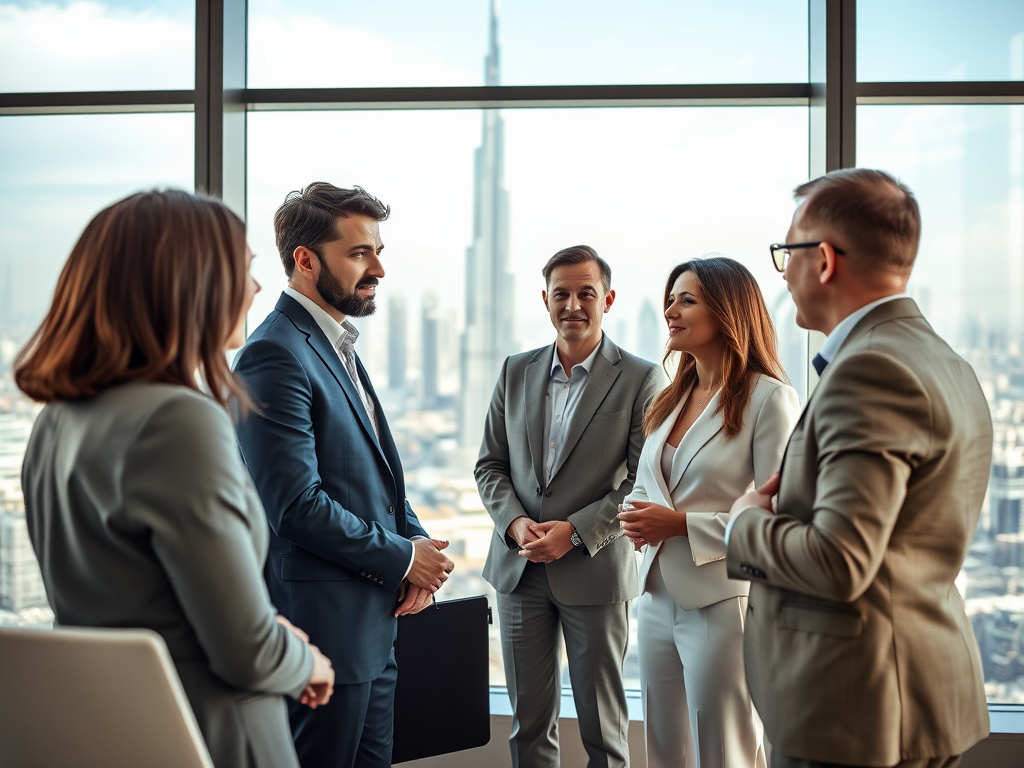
pixel 334 494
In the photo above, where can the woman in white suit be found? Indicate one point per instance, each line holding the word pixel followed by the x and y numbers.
pixel 715 432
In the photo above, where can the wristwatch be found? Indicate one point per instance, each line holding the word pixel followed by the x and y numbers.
pixel 575 539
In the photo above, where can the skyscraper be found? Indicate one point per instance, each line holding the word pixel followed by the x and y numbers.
pixel 430 352
pixel 650 331
pixel 489 335
pixel 397 350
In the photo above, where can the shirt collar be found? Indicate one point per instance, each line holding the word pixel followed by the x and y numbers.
pixel 840 332
pixel 586 365
pixel 337 333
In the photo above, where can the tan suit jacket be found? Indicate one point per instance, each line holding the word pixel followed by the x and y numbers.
pixel 857 646
pixel 709 471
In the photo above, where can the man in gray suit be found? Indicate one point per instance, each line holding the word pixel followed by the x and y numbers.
pixel 560 451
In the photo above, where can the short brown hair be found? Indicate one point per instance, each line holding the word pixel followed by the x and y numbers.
pixel 731 295
pixel 578 254
pixel 877 215
pixel 151 291
pixel 309 217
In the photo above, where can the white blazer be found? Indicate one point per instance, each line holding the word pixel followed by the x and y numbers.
pixel 709 472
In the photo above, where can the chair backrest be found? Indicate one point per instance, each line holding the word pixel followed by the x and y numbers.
pixel 103 698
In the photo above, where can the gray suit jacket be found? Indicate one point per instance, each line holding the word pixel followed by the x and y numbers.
pixel 596 469
pixel 142 515
pixel 857 645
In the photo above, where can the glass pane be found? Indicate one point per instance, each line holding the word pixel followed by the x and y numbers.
pixel 686 183
pixel 104 45
pixel 966 165
pixel 58 172
pixel 444 43
pixel 940 40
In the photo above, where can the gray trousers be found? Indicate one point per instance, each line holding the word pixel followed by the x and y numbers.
pixel 595 643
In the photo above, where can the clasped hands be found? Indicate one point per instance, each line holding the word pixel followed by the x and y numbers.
pixel 321 683
pixel 650 523
pixel 430 569
pixel 541 542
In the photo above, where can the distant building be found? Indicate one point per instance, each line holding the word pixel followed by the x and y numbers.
pixel 397 343
pixel 489 335
pixel 430 352
pixel 650 333
pixel 21 584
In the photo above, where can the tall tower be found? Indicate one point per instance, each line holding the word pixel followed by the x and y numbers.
pixel 650 344
pixel 489 335
pixel 396 343
pixel 430 351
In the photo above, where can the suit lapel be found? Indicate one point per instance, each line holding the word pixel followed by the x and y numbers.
pixel 707 425
pixel 602 375
pixel 320 345
pixel 657 441
pixel 538 373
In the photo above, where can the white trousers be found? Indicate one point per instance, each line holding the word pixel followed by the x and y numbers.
pixel 697 711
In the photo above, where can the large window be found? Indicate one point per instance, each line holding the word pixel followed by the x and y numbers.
pixel 654 130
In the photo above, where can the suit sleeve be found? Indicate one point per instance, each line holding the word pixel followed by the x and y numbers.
pixel 493 471
pixel 873 427
pixel 597 523
pixel 773 424
pixel 185 484
pixel 279 448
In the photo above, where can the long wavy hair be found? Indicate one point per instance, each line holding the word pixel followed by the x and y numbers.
pixel 730 293
pixel 151 291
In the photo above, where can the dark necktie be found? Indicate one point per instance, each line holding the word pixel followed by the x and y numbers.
pixel 819 364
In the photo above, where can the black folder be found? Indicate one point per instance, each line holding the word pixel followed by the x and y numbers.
pixel 442 702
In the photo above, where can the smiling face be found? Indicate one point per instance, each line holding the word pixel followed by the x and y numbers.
pixel 691 327
pixel 576 301
pixel 350 267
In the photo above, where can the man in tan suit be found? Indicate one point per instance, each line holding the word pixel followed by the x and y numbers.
pixel 858 650
pixel 560 449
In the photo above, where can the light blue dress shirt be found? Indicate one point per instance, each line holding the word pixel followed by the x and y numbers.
pixel 564 393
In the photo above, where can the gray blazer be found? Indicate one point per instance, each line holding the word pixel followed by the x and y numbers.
pixel 596 469
pixel 142 515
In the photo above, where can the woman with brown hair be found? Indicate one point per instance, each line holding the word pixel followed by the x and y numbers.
pixel 139 507
pixel 719 428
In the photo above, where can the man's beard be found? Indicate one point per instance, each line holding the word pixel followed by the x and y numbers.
pixel 349 304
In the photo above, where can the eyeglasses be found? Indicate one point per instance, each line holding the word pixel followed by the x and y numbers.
pixel 781 252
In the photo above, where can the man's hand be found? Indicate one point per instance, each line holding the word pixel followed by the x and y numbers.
pixel 521 531
pixel 430 568
pixel 759 497
pixel 321 684
pixel 554 539
pixel 649 523
pixel 413 599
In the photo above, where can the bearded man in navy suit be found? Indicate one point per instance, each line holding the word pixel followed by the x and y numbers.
pixel 347 554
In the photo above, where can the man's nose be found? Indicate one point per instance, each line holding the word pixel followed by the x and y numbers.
pixel 376 268
pixel 574 303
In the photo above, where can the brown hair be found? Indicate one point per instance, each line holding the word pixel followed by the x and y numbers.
pixel 877 216
pixel 151 291
pixel 309 217
pixel 578 254
pixel 731 295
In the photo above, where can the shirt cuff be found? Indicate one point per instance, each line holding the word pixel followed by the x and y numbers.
pixel 412 559
pixel 732 522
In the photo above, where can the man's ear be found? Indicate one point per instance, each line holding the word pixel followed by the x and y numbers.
pixel 609 299
pixel 827 263
pixel 305 262
pixel 544 297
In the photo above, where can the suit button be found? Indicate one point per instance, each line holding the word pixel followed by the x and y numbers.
pixel 391 510
pixel 538 490
pixel 746 569
pixel 547 492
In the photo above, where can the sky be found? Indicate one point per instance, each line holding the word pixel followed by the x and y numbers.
pixel 647 187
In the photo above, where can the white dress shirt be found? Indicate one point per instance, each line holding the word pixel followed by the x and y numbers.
pixel 564 393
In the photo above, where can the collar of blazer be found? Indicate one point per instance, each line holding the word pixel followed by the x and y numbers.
pixel 708 424
pixel 320 344
pixel 538 373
